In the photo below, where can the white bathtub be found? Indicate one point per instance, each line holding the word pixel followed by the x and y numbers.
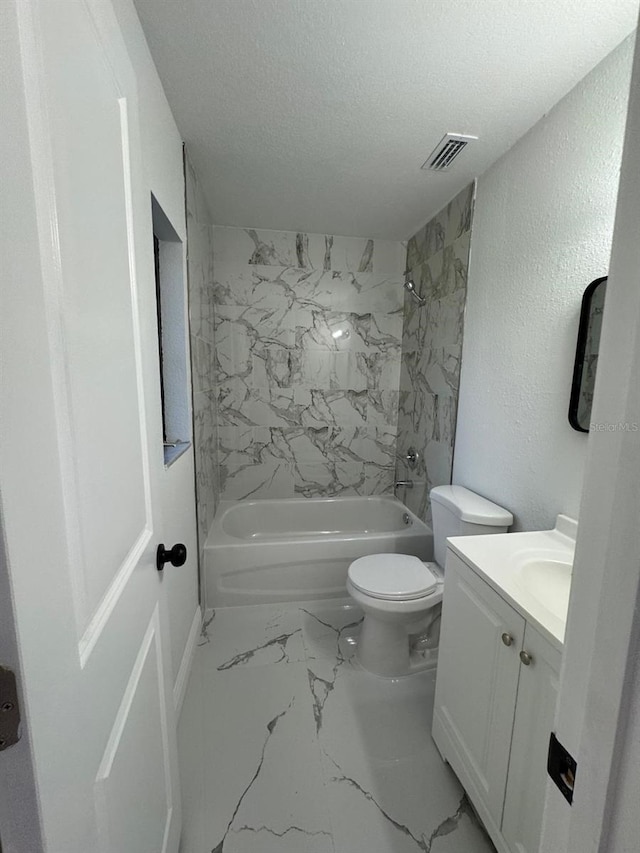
pixel 300 549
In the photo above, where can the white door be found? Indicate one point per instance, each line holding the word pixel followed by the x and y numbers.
pixel 527 779
pixel 81 451
pixel 476 686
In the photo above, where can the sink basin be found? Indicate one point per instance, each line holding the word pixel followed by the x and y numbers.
pixel 530 569
pixel 548 580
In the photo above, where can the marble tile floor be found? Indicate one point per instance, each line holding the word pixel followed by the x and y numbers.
pixel 288 746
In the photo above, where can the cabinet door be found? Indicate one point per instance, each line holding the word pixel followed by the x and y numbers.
pixel 476 686
pixel 535 708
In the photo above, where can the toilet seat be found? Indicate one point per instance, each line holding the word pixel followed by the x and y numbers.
pixel 392 577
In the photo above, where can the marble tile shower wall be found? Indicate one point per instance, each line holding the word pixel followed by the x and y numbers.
pixel 438 260
pixel 308 344
pixel 202 339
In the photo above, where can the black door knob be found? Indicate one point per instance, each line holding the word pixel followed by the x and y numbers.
pixel 177 556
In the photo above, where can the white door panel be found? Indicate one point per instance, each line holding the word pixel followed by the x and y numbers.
pixel 99 380
pixel 134 777
pixel 82 467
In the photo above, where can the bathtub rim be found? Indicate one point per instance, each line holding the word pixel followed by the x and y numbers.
pixel 218 537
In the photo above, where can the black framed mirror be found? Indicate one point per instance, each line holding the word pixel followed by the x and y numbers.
pixel 586 363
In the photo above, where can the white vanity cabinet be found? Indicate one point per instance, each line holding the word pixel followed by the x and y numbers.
pixel 533 723
pixel 494 705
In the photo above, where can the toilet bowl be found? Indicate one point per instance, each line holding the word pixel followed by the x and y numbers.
pixel 401 595
pixel 398 594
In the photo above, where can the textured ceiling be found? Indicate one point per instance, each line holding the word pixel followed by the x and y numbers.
pixel 316 115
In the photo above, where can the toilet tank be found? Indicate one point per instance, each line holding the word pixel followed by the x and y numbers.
pixel 457 511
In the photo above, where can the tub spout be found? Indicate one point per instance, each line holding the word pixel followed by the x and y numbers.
pixel 408 484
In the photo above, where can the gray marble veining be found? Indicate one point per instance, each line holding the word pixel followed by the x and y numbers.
pixel 321 687
pixel 280 643
pixel 202 323
pixel 313 371
pixel 206 623
pixel 437 260
pixel 308 338
pixel 308 753
pixel 271 726
pixel 422 842
pixel 307 251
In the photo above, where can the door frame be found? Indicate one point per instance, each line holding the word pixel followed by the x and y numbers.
pixel 596 701
pixel 20 825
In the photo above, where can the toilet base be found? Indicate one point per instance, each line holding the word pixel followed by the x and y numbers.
pixel 383 649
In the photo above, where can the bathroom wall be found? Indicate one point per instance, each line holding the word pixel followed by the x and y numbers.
pixel 542 231
pixel 308 341
pixel 202 334
pixel 437 260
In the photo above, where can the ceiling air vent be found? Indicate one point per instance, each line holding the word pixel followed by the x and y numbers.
pixel 449 147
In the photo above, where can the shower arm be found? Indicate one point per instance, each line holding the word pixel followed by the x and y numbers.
pixel 410 287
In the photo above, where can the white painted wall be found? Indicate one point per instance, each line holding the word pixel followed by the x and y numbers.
pixel 542 231
pixel 162 160
pixel 598 713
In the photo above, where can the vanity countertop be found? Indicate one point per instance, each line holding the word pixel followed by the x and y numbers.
pixel 532 571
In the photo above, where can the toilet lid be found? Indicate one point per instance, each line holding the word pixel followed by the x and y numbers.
pixel 392 576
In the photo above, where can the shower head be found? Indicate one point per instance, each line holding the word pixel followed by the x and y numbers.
pixel 410 287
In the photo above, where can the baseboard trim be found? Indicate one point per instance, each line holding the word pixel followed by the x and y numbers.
pixel 180 686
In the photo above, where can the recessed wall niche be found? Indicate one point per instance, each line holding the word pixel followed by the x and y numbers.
pixel 172 343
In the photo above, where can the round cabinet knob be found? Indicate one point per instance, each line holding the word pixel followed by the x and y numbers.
pixel 526 658
pixel 177 556
pixel 507 639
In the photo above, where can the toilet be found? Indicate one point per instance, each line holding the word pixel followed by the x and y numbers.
pixel 400 594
